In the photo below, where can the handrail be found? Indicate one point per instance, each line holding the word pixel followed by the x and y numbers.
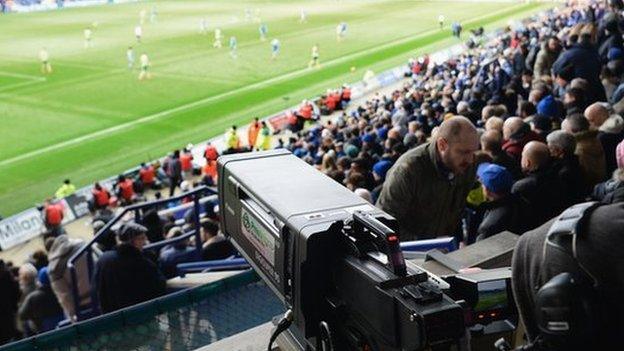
pixel 213 265
pixel 196 193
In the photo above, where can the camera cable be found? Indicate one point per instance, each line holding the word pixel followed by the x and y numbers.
pixel 282 325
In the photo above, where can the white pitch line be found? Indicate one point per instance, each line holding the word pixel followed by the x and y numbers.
pixel 191 105
pixel 23 76
pixel 17 85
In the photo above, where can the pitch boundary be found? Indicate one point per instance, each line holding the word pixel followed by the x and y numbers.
pixel 220 96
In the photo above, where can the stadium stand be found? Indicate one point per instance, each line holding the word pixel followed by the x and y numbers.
pixel 544 96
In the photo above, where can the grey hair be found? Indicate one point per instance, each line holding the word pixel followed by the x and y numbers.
pixel 562 140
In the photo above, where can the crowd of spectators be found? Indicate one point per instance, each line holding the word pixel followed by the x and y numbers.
pixel 544 97
pixel 537 109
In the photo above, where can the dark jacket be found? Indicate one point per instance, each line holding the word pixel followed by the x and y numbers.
pixel 542 192
pixel 174 170
pixel 586 62
pixel 570 176
pixel 426 200
pixel 42 308
pixel 501 215
pixel 9 297
pixel 124 277
pixel 610 135
pixel 171 255
pixel 600 250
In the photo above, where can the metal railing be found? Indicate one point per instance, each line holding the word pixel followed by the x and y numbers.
pixel 138 210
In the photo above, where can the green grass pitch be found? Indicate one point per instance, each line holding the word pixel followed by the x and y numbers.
pixel 59 126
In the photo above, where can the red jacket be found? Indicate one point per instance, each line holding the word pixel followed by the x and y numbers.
pixel 147 175
pixel 185 161
pixel 126 189
pixel 54 214
pixel 346 94
pixel 306 111
pixel 101 197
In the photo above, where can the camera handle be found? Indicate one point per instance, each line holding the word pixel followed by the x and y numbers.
pixel 384 237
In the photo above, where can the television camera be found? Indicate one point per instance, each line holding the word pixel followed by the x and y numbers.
pixel 333 259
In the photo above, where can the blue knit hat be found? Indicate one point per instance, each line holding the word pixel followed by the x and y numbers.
pixel 495 178
pixel 381 168
pixel 615 53
pixel 44 278
pixel 547 106
pixel 368 138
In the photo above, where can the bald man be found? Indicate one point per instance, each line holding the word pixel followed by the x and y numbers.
pixel 426 189
pixel 540 189
pixel 610 131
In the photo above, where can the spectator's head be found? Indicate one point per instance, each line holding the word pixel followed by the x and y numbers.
pixel 553 44
pixel 456 142
pixel 563 74
pixel 596 114
pixel 26 275
pixel 355 180
pixel 39 259
pixel 329 162
pixel 97 186
pixel 511 127
pixel 496 181
pixel 526 109
pixel 132 234
pixel 535 156
pixel 364 194
pixel 494 123
pixel 121 178
pixel 575 123
pixel 541 123
pixel 210 229
pixel 380 169
pixel 491 142
pixel 177 232
pixel 463 108
pixel 97 226
pixel 561 144
pixel 574 97
pixel 43 277
pixel 176 154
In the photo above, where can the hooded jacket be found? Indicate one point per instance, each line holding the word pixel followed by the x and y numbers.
pixel 60 277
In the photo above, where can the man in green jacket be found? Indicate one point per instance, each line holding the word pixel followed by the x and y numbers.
pixel 427 187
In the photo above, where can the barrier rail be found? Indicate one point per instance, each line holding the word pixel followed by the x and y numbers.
pixel 184 320
pixel 137 210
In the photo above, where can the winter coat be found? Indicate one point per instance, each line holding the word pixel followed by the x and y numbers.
pixel 426 200
pixel 586 62
pixel 124 277
pixel 60 277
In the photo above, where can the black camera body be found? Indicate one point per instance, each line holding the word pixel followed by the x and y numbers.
pixel 331 257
